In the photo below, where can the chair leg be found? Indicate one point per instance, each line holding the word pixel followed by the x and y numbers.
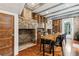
pixel 50 49
pixel 62 50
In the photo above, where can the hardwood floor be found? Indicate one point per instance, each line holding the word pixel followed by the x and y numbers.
pixel 35 51
pixel 76 47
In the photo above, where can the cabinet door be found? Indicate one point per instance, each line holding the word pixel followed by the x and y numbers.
pixel 6 35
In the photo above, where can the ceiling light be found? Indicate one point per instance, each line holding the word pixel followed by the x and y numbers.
pixel 47 12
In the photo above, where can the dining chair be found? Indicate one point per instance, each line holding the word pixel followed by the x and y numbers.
pixel 45 43
pixel 58 43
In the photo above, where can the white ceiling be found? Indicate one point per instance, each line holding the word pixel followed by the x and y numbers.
pixel 58 10
pixel 12 7
pixel 33 6
pixel 49 10
pixel 45 6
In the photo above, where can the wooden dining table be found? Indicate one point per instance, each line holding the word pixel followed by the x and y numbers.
pixel 52 39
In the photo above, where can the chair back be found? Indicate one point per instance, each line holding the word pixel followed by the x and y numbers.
pixel 56 35
pixel 59 39
pixel 64 36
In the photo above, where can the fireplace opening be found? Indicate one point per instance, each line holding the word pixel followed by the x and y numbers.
pixel 26 38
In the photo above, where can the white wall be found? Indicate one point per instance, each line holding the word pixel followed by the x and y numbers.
pixel 76 24
pixel 15 30
pixel 76 29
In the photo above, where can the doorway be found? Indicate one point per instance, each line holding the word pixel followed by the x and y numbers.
pixel 6 35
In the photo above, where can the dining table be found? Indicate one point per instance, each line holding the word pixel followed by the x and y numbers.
pixel 52 39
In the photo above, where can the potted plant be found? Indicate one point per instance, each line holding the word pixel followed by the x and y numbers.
pixel 77 36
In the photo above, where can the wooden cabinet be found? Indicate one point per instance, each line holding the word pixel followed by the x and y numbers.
pixel 56 25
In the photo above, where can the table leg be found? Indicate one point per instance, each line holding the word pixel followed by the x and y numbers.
pixel 50 47
pixel 53 48
pixel 40 46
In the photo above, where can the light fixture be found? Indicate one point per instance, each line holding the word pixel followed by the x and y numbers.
pixel 47 12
